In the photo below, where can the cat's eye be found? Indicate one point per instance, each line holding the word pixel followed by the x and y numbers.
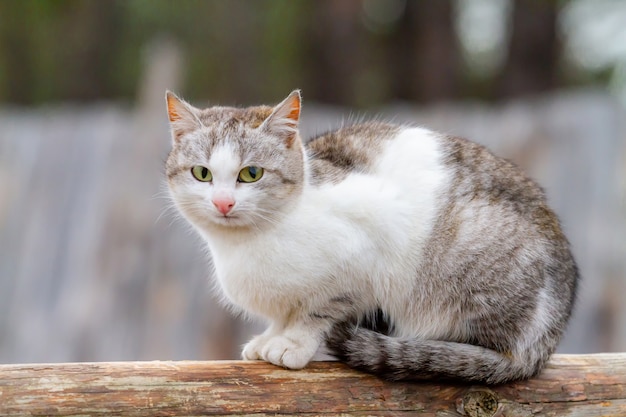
pixel 250 174
pixel 201 173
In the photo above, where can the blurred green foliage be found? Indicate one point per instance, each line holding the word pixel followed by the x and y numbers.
pixel 88 49
pixel 246 51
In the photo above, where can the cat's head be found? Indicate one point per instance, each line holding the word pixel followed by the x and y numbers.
pixel 235 167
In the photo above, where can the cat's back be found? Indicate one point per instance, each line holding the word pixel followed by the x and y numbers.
pixel 369 148
pixel 468 170
pixel 458 180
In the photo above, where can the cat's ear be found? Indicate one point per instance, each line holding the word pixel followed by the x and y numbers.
pixel 182 115
pixel 283 121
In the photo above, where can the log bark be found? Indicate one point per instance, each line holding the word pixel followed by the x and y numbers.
pixel 571 385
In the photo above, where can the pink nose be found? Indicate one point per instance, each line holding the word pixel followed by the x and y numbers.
pixel 224 205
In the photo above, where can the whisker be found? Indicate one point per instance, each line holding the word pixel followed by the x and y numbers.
pixel 253 211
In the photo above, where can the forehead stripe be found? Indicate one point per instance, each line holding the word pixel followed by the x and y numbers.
pixel 224 160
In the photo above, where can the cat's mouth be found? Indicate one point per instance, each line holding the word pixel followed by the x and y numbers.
pixel 229 220
pixel 227 217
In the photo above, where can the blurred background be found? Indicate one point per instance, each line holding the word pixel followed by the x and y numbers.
pixel 94 263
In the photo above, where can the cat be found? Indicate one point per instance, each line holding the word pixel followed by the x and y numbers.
pixel 403 252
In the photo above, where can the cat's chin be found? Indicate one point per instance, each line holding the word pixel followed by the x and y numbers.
pixel 228 221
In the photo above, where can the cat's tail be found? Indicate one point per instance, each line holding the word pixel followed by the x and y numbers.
pixel 399 359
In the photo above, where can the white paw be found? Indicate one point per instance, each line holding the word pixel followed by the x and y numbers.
pixel 252 349
pixel 282 351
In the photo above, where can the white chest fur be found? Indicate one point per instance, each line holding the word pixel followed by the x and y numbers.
pixel 363 236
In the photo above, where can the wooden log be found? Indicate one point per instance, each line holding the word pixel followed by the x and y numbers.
pixel 571 385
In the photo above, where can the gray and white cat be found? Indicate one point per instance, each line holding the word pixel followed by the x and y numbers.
pixel 409 254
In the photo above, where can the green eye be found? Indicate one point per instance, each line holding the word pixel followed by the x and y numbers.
pixel 201 173
pixel 250 174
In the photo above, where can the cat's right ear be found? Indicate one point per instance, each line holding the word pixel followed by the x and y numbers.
pixel 182 115
pixel 284 119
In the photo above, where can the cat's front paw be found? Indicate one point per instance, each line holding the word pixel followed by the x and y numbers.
pixel 285 352
pixel 252 349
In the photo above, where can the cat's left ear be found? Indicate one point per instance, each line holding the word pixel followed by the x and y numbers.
pixel 182 116
pixel 283 121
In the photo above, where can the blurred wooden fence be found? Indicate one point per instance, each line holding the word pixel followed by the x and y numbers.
pixel 95 267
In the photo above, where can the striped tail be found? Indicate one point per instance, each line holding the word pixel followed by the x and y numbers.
pixel 414 359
